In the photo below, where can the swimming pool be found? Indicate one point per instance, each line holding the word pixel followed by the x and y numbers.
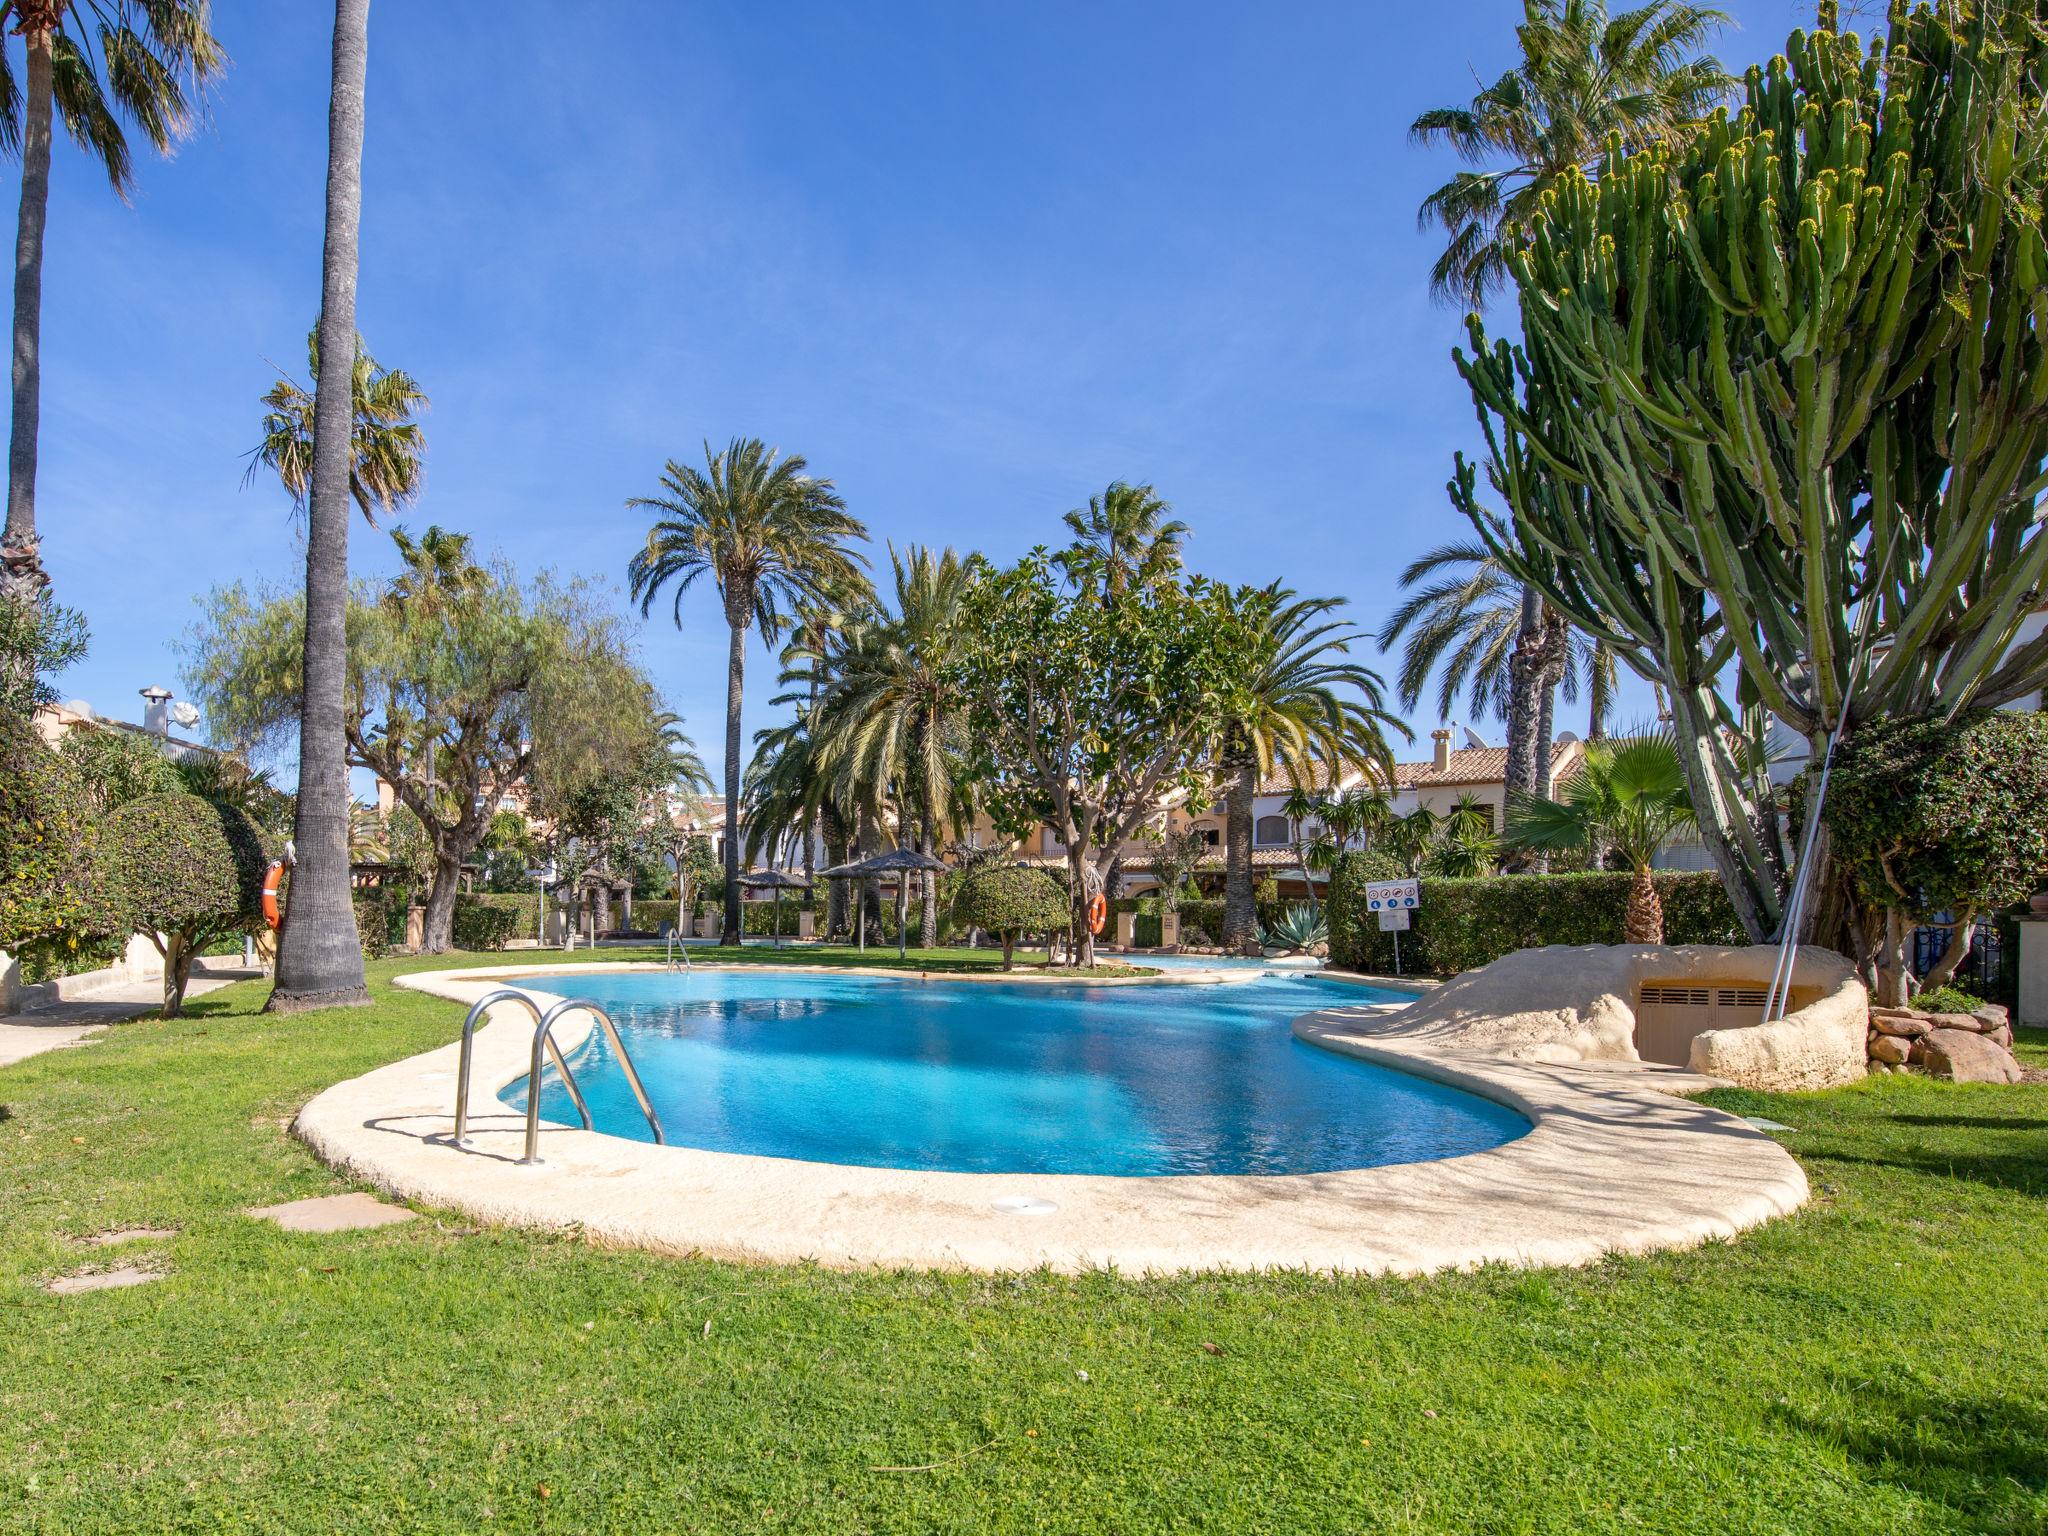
pixel 979 1077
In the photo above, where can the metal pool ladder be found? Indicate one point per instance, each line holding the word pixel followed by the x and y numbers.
pixel 676 949
pixel 544 1040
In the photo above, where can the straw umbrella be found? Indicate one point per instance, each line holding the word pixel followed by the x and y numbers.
pixel 897 861
pixel 778 882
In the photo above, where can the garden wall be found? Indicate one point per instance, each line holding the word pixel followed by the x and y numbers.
pixel 1467 923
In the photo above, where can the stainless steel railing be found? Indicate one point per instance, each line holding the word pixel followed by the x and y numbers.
pixel 677 948
pixel 544 1048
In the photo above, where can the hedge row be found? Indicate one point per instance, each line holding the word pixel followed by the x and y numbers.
pixel 1465 923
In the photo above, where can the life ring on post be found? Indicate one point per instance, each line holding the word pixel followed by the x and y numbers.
pixel 273 877
pixel 1098 912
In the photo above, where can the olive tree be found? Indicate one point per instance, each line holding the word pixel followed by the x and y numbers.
pixel 1777 428
pixel 184 872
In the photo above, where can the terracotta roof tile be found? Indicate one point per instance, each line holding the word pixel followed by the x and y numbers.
pixel 1475 765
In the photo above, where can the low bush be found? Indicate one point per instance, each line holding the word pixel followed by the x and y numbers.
pixel 1010 901
pixel 482 925
pixel 1948 999
pixel 523 905
pixel 50 904
pixel 373 924
pixel 1465 923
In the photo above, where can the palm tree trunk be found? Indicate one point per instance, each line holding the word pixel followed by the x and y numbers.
pixel 928 925
pixel 1522 714
pixel 1643 923
pixel 21 567
pixel 735 692
pixel 319 957
pixel 1240 898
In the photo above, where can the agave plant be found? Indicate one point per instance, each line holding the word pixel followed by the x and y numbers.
pixel 1300 927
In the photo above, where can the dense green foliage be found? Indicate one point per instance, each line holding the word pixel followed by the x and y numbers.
pixel 184 872
pixel 1466 923
pixel 1783 378
pixel 1937 818
pixel 1010 901
pixel 483 925
pixel 47 897
pixel 1792 1381
pixel 379 922
pixel 37 637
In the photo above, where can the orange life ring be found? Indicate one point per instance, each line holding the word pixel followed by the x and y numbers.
pixel 1098 912
pixel 273 877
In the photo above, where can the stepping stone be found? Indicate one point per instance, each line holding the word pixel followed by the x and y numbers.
pixel 1770 1127
pixel 102 1280
pixel 126 1235
pixel 334 1213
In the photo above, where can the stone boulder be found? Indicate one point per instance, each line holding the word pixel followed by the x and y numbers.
pixel 1965 1056
pixel 1967 1022
pixel 1899 1022
pixel 1890 1049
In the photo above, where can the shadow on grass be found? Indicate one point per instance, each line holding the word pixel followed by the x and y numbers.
pixel 1983 1459
pixel 1977 1122
pixel 2024 1170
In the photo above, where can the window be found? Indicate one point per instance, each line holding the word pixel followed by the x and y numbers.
pixel 1206 830
pixel 1270 832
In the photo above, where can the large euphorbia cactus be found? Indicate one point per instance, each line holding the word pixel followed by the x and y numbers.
pixel 1781 402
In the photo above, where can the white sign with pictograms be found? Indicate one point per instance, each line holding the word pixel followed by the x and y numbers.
pixel 1393 895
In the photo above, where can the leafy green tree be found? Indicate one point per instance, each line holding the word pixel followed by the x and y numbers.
pixel 772 538
pixel 1780 415
pixel 319 952
pixel 183 872
pixel 1180 854
pixel 387 451
pixel 520 686
pixel 1083 715
pixel 1938 822
pixel 1585 82
pixel 1010 901
pixel 37 637
pixel 1306 710
pixel 1627 797
pixel 48 830
pixel 102 67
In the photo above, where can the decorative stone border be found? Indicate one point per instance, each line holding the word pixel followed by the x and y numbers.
pixel 1613 1164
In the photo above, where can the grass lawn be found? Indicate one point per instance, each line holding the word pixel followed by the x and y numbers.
pixel 1875 1364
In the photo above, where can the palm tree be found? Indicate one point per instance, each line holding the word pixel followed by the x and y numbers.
pixel 138 62
pixel 319 958
pixel 1410 838
pixel 891 718
pixel 389 446
pixel 1305 709
pixel 1628 797
pixel 1583 76
pixel 1123 539
pixel 771 537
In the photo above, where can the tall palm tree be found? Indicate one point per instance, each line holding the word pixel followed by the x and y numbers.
pixel 102 66
pixel 771 537
pixel 1124 539
pixel 1462 623
pixel 1628 797
pixel 1583 75
pixel 1306 709
pixel 389 447
pixel 319 958
pixel 891 719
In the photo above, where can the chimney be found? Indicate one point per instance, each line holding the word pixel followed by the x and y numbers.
pixel 156 710
pixel 1442 756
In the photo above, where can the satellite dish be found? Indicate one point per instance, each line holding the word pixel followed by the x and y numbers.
pixel 1473 740
pixel 184 715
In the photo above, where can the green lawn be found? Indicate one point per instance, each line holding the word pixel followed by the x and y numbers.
pixel 1873 1365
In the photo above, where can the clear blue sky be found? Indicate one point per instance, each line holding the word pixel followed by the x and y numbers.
pixel 974 260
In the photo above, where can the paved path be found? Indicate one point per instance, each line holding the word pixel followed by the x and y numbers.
pixel 57 1025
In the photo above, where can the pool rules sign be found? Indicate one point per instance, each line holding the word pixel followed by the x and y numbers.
pixel 1393 901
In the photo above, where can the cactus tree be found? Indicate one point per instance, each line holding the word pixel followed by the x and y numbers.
pixel 1781 390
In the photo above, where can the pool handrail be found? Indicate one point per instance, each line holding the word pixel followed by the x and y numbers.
pixel 544 1041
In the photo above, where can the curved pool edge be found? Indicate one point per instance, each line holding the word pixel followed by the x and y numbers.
pixel 1611 1164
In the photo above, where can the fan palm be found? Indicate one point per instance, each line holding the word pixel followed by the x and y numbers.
pixel 771 537
pixel 1124 539
pixel 389 447
pixel 319 956
pixel 891 718
pixel 1628 797
pixel 103 67
pixel 1584 75
pixel 1305 708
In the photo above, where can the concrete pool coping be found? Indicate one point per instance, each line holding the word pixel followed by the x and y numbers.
pixel 1614 1162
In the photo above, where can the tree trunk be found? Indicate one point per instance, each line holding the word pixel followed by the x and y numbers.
pixel 1960 937
pixel 928 925
pixel 602 906
pixel 1522 715
pixel 177 973
pixel 1240 897
pixel 1083 946
pixel 1643 923
pixel 437 927
pixel 838 850
pixel 1894 989
pixel 319 958
pixel 1009 937
pixel 21 568
pixel 735 692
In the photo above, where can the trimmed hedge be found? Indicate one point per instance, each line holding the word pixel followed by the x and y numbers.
pixel 186 868
pixel 49 896
pixel 482 925
pixel 1466 923
pixel 373 923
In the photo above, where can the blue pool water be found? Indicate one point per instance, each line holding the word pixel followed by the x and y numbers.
pixel 984 1078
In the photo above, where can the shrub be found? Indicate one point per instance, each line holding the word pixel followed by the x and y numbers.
pixel 1010 901
pixel 50 903
pixel 373 923
pixel 481 925
pixel 185 872
pixel 1465 923
pixel 523 905
pixel 1949 999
